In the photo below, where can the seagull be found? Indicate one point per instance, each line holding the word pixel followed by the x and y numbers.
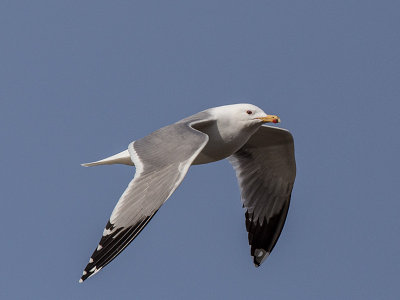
pixel 262 157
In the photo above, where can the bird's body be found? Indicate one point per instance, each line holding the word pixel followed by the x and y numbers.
pixel 222 143
pixel 163 158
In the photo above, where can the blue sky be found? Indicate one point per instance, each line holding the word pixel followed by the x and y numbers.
pixel 80 80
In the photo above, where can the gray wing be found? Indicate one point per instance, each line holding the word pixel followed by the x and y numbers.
pixel 162 160
pixel 265 167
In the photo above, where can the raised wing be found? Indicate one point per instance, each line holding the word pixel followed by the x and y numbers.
pixel 162 160
pixel 266 169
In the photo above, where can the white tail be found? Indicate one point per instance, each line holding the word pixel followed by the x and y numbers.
pixel 123 158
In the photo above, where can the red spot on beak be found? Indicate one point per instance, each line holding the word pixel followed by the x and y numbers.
pixel 274 121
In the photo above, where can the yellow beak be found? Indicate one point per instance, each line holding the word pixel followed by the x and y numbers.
pixel 270 119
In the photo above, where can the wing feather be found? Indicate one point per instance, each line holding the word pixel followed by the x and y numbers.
pixel 266 169
pixel 162 159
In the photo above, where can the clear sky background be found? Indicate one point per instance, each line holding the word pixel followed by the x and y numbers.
pixel 80 80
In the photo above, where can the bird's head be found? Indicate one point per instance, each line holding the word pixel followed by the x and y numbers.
pixel 247 114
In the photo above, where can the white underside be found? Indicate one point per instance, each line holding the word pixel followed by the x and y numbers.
pixel 218 147
pixel 226 136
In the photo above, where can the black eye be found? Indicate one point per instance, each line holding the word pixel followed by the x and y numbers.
pixel 249 112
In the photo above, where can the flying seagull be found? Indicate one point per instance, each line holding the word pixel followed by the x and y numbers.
pixel 262 156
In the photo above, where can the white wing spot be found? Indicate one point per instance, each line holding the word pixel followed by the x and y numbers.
pixel 80 280
pixel 84 273
pixel 90 260
pixel 261 253
pixel 99 247
pixel 94 270
pixel 106 231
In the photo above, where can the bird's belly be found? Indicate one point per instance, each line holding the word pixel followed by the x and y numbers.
pixel 211 154
pixel 222 144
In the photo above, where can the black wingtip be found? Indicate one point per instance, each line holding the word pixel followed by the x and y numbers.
pixel 111 244
pixel 259 256
pixel 84 277
pixel 88 271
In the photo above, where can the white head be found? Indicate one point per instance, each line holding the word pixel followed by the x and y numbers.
pixel 247 115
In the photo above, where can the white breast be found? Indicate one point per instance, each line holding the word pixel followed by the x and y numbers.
pixel 225 138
